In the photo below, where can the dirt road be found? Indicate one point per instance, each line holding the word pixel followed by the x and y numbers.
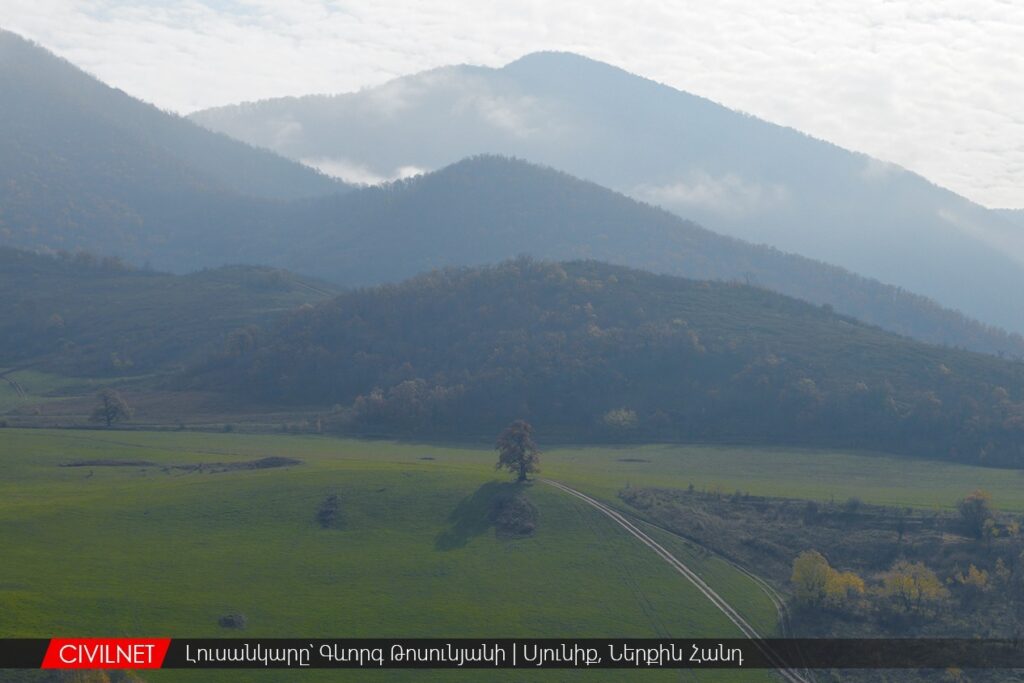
pixel 789 675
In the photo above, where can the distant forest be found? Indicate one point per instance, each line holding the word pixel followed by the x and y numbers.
pixel 83 315
pixel 589 351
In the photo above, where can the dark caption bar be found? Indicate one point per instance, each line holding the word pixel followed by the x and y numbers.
pixel 522 653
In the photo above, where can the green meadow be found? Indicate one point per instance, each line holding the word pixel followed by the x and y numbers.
pixel 39 387
pixel 164 549
pixel 158 550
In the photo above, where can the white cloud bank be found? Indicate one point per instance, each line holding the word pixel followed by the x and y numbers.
pixel 359 174
pixel 936 86
pixel 728 194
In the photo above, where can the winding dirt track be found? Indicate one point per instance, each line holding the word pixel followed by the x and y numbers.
pixel 790 675
pixel 19 389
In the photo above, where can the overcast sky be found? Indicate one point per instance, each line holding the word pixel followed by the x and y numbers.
pixel 936 86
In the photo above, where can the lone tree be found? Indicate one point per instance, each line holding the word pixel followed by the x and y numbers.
pixel 112 408
pixel 517 451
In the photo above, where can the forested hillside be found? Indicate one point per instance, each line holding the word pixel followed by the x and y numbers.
pixel 86 166
pixel 590 351
pixel 83 315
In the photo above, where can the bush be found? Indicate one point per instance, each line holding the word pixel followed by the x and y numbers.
pixel 976 512
pixel 328 514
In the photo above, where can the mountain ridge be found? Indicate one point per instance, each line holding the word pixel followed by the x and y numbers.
pixel 77 179
pixel 730 171
pixel 86 166
pixel 519 208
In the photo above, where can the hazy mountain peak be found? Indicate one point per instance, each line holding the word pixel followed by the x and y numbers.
pixel 560 59
pixel 735 173
pixel 43 91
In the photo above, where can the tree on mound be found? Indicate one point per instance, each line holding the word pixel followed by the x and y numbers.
pixel 111 408
pixel 517 451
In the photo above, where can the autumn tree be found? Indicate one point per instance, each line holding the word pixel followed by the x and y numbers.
pixel 111 408
pixel 843 589
pixel 810 576
pixel 517 451
pixel 912 586
pixel 817 583
pixel 974 582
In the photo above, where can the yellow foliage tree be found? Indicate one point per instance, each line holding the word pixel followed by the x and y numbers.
pixel 974 578
pixel 810 577
pixel 817 583
pixel 912 586
pixel 843 589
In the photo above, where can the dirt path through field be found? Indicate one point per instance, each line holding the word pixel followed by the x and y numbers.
pixel 789 675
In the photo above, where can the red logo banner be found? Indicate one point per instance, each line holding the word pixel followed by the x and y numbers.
pixel 106 653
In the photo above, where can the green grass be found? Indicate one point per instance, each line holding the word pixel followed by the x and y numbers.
pixel 794 473
pixel 130 551
pixel 122 551
pixel 118 551
pixel 41 387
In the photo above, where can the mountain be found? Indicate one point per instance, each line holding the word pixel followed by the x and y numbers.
pixel 588 351
pixel 83 315
pixel 724 169
pixel 89 168
pixel 85 166
pixel 489 209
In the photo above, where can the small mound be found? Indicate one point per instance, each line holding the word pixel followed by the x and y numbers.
pixel 108 463
pixel 515 516
pixel 234 620
pixel 261 464
pixel 266 463
pixel 633 460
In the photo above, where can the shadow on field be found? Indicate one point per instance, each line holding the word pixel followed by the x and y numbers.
pixel 475 514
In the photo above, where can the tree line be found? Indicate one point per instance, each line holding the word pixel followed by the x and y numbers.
pixel 588 351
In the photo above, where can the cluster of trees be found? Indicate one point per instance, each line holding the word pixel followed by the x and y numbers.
pixel 590 351
pixel 907 587
pixel 984 575
pixel 872 570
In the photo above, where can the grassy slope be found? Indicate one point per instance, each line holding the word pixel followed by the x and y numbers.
pixel 40 387
pixel 786 472
pixel 142 551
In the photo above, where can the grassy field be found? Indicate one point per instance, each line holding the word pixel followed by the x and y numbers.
pixel 143 550
pixel 147 550
pixel 795 473
pixel 40 387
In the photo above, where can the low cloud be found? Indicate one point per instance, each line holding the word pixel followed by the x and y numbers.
pixel 728 194
pixel 520 116
pixel 359 174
